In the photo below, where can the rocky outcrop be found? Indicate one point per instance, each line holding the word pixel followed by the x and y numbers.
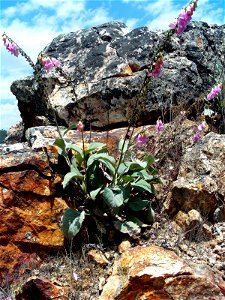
pixel 106 66
pixel 200 182
pixel 32 203
pixel 152 272
pixel 30 209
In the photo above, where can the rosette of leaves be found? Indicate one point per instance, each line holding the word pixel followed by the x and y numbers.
pixel 118 189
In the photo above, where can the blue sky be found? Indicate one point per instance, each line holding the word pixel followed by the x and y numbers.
pixel 34 23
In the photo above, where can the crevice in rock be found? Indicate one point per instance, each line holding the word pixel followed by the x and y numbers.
pixel 25 167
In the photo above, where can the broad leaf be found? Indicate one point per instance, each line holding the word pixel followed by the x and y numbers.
pixel 71 175
pixel 123 145
pixel 208 112
pixel 123 168
pixel 149 159
pixel 142 185
pixel 94 193
pixel 104 158
pixel 72 222
pixel 128 227
pixel 61 144
pixel 115 197
pixel 151 215
pixel 141 173
pixel 136 221
pixel 75 148
pixel 95 146
pixel 137 204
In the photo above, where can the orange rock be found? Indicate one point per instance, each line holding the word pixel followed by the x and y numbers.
pixel 155 273
pixel 29 211
pixel 43 289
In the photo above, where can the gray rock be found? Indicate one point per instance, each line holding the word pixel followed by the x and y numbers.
pixel 200 183
pixel 106 66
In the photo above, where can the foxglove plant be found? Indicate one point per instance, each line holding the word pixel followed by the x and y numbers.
pixel 110 190
pixel 10 46
pixel 214 92
pixel 48 63
pixel 199 131
pixel 159 126
pixel 142 139
pixel 157 67
pixel 184 18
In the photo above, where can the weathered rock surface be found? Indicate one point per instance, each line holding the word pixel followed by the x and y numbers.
pixel 40 288
pixel 152 272
pixel 201 181
pixel 30 210
pixel 106 65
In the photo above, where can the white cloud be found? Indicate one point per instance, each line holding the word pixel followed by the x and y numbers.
pixel 162 16
pixel 131 23
pixel 209 12
pixel 66 9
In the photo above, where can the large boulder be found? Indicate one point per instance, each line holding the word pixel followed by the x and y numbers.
pixel 105 67
pixel 152 272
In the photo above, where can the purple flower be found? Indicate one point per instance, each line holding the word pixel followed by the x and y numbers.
pixel 49 63
pixel 80 126
pixel 214 92
pixel 11 47
pixel 142 139
pixel 159 126
pixel 184 19
pixel 201 126
pixel 156 72
pixel 196 137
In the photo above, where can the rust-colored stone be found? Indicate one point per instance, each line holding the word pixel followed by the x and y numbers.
pixel 155 273
pixel 40 288
pixel 29 211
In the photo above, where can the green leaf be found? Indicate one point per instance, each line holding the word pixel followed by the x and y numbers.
pixel 135 165
pixel 123 168
pixel 122 148
pixel 142 185
pixel 136 221
pixel 104 158
pixel 125 179
pixel 151 214
pixel 71 175
pixel 75 148
pixel 137 204
pixel 72 222
pixel 208 112
pixel 115 197
pixel 149 159
pixel 128 227
pixel 141 173
pixel 95 146
pixel 61 144
pixel 94 193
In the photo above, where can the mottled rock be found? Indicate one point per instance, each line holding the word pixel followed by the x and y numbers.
pixel 201 178
pixel 152 272
pixel 98 256
pixel 107 64
pixel 15 134
pixel 123 246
